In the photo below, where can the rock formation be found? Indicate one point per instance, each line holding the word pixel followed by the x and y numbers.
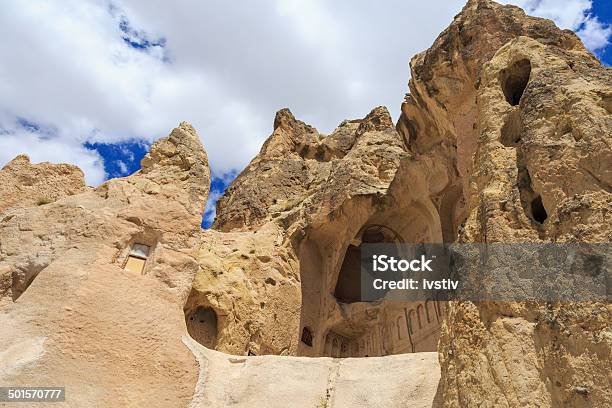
pixel 292 223
pixel 23 184
pixel 503 137
pixel 526 109
pixel 73 312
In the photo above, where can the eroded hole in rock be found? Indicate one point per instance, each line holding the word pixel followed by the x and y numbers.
pixel 348 287
pixel 307 336
pixel 514 80
pixel 202 326
pixel 537 210
pixel 345 326
pixel 530 200
pixel 512 129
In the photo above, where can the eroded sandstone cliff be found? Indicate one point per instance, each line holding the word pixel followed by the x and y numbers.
pixel 504 137
pixel 75 309
pixel 526 110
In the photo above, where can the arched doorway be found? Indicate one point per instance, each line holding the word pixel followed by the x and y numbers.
pixel 348 286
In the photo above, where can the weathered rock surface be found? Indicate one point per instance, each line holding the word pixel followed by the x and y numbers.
pixel 504 137
pixel 24 184
pixel 526 109
pixel 73 316
pixel 272 269
pixel 408 380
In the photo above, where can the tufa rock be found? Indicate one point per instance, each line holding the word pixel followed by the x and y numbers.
pixel 25 184
pixel 77 311
pixel 504 137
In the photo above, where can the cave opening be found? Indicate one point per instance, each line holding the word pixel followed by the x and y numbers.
pixel 342 324
pixel 514 80
pixel 306 337
pixel 537 210
pixel 348 286
pixel 202 326
pixel 530 199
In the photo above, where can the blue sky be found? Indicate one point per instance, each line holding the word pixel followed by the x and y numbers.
pixel 95 82
pixel 120 159
pixel 603 10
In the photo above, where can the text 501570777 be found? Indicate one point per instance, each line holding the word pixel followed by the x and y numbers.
pixel 32 394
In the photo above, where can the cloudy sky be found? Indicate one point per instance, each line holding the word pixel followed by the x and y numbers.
pixel 94 82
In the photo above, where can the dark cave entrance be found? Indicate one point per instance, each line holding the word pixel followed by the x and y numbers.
pixel 514 80
pixel 307 336
pixel 537 210
pixel 348 286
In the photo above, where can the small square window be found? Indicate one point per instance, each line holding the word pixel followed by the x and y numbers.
pixel 137 258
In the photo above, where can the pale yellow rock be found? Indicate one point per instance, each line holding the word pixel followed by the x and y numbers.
pixel 408 380
pixel 23 184
pixel 525 108
pixel 504 137
pixel 112 337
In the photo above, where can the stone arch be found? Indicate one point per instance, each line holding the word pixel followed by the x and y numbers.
pixel 348 285
pixel 411 319
pixel 323 251
pixel 427 310
pixel 399 327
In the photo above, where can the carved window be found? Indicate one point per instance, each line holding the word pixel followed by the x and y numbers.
pixel 344 348
pixel 137 258
pixel 419 315
pixel 399 327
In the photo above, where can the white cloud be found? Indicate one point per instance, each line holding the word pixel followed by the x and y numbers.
pixel 226 67
pixel 594 34
pixel 210 212
pixel 122 166
pixel 571 14
pixel 53 150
